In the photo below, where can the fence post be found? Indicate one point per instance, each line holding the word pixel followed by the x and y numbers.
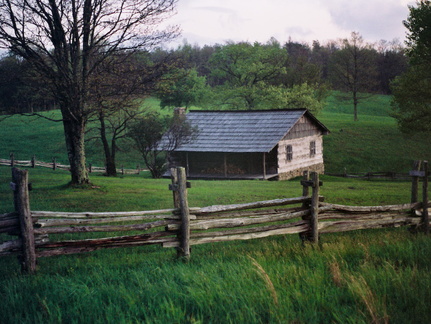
pixel 54 163
pixel 22 206
pixel 184 250
pixel 425 216
pixel 12 159
pixel 305 190
pixel 314 219
pixel 33 161
pixel 415 181
pixel 305 193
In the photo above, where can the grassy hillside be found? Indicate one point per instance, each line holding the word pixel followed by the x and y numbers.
pixel 374 143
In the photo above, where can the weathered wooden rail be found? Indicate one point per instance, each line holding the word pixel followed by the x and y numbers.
pixel 54 165
pixel 46 233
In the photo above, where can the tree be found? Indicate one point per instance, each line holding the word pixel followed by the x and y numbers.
pixel 354 70
pixel 155 137
pixel 66 40
pixel 411 101
pixel 116 98
pixel 298 96
pixel 391 63
pixel 182 88
pixel 419 37
pixel 412 90
pixel 245 72
pixel 18 91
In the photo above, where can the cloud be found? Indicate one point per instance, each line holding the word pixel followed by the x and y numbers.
pixel 216 21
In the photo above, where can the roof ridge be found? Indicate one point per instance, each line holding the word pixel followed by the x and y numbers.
pixel 250 111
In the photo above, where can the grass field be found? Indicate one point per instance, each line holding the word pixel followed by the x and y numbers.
pixel 371 276
pixel 359 277
pixel 374 143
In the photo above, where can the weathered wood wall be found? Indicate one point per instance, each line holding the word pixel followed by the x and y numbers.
pixel 299 138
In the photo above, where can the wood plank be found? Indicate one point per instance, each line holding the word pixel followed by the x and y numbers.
pixel 106 241
pixel 149 213
pixel 102 228
pixel 367 209
pixel 258 204
pixel 210 239
pixel 249 213
pixel 344 226
pixel 237 222
pixel 82 249
pixel 248 229
pixel 92 221
pixel 361 216
pixel 10 246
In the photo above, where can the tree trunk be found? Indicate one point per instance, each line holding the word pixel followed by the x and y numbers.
pixel 111 168
pixel 355 106
pixel 74 132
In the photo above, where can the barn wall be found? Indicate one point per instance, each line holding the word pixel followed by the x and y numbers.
pixel 301 159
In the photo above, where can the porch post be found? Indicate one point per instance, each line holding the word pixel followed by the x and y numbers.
pixel 225 164
pixel 264 166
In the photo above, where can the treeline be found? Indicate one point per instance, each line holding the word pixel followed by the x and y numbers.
pixel 238 75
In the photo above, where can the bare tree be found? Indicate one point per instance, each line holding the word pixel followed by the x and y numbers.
pixel 66 41
pixel 116 98
pixel 354 69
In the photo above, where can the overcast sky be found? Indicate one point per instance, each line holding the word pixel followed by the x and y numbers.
pixel 217 21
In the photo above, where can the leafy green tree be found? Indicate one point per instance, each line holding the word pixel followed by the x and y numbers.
pixel 412 99
pixel 298 96
pixel 182 88
pixel 245 72
pixel 418 24
pixel 155 137
pixel 412 90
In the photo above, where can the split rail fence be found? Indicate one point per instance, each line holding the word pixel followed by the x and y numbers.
pixel 47 233
pixel 55 165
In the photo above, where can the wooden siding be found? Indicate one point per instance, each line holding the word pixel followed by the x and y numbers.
pixel 251 143
pixel 303 128
pixel 301 153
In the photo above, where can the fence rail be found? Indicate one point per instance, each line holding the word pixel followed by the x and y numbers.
pixel 55 165
pixel 47 233
pixel 385 175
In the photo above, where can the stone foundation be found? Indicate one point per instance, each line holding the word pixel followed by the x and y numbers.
pixel 319 168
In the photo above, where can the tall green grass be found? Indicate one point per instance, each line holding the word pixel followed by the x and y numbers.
pixel 370 276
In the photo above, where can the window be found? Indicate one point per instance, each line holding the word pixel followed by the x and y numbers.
pixel 289 153
pixel 312 148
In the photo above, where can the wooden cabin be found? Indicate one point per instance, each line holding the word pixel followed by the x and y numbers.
pixel 258 144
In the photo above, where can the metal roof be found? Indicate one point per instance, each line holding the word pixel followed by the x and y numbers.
pixel 242 131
